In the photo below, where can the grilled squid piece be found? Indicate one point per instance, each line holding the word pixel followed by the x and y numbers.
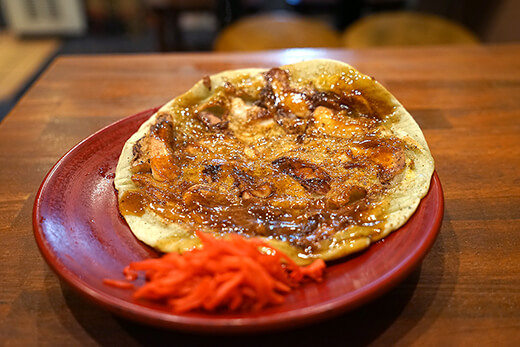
pixel 291 108
pixel 387 156
pixel 333 123
pixel 202 195
pixel 263 192
pixel 355 103
pixel 162 162
pixel 345 195
pixel 313 178
pixel 214 113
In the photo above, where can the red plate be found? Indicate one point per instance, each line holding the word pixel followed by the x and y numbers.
pixel 84 239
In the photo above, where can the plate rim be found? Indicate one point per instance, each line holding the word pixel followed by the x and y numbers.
pixel 275 321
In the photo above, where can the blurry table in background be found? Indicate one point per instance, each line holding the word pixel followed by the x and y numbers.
pixel 464 98
pixel 20 60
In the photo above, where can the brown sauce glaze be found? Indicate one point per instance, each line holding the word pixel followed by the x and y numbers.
pixel 302 186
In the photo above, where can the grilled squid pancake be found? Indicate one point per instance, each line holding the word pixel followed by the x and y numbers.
pixel 315 157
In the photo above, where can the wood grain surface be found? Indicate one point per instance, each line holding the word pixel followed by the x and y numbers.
pixel 20 60
pixel 467 101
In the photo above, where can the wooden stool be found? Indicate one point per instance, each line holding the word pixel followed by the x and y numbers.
pixel 405 29
pixel 275 31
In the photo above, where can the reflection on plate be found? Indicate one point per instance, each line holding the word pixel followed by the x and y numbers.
pixel 84 239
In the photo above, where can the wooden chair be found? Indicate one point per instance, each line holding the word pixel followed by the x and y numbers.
pixel 405 29
pixel 275 31
pixel 167 13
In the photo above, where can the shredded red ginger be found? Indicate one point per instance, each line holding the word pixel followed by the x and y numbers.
pixel 233 274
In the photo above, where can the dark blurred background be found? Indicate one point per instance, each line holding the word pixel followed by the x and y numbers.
pixel 33 32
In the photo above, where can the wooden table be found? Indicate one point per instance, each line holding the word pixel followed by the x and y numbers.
pixel 467 101
pixel 20 60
